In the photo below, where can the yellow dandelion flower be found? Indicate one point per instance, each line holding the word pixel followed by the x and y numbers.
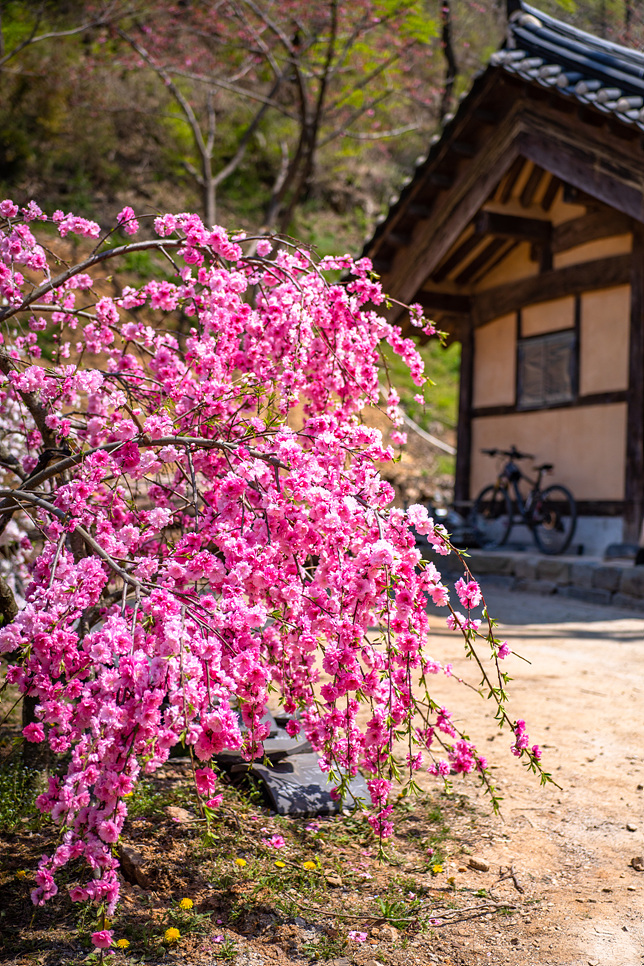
pixel 21 874
pixel 240 862
pixel 437 869
pixel 171 935
pixel 186 904
pixel 122 943
pixel 280 865
pixel 309 865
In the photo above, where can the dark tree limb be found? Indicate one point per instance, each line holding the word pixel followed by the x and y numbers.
pixel 451 66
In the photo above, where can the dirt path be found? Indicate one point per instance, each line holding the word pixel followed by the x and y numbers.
pixel 582 698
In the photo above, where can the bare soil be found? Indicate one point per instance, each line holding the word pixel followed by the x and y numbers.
pixel 560 887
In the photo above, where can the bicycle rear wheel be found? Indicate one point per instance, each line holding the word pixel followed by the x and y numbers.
pixel 554 518
pixel 492 517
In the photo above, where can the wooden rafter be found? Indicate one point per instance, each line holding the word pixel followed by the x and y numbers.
pixel 479 263
pixel 507 185
pixel 457 256
pixel 531 186
pixel 550 192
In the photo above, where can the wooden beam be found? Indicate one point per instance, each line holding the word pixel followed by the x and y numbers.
pixel 594 399
pixel 610 179
pixel 550 193
pixel 511 179
pixel 465 148
pixel 572 280
pixel 464 431
pixel 601 223
pixel 513 226
pixel 485 115
pixel 419 212
pixel 530 188
pixel 634 483
pixel 440 179
pixel 444 302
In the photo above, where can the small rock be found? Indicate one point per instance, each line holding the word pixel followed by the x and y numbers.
pixel 624 928
pixel 374 933
pixel 515 941
pixel 462 868
pixel 333 880
pixel 132 863
pixel 631 827
pixel 638 863
pixel 177 814
pixel 631 888
pixel 372 962
pixel 640 788
pixel 593 962
pixel 388 934
pixel 480 865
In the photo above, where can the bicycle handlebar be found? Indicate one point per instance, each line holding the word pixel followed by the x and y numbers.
pixel 512 454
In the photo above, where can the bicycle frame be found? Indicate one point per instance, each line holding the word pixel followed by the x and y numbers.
pixel 509 479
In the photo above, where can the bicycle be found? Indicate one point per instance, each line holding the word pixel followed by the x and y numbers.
pixel 550 514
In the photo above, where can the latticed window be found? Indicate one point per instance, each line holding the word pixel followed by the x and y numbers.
pixel 547 370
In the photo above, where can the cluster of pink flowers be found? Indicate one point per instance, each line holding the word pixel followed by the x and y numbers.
pixel 219 529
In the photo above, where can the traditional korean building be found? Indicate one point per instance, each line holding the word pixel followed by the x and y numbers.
pixel 522 234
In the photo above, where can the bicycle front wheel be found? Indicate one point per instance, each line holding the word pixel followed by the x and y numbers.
pixel 492 517
pixel 554 518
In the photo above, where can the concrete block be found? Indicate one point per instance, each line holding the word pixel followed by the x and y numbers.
pixel 550 568
pixel 632 582
pixel 543 587
pixel 624 602
pixel 581 574
pixel 607 578
pixel 591 595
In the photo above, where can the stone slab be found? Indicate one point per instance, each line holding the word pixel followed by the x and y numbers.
pixel 544 587
pixel 525 568
pixel 492 563
pixel 607 578
pixel 550 568
pixel 591 595
pixel 628 603
pixel 632 582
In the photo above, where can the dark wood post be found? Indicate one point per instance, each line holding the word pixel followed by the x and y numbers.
pixel 634 485
pixel 464 432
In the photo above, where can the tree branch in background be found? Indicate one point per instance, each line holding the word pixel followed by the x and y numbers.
pixel 451 67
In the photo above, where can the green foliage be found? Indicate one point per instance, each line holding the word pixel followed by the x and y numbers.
pixel 324 948
pixel 398 912
pixel 441 393
pixel 19 788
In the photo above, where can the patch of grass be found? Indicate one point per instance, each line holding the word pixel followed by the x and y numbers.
pixel 19 788
pixel 324 948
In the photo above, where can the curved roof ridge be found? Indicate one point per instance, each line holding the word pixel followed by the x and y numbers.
pixel 542 34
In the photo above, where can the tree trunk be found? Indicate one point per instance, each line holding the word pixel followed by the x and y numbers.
pixel 451 67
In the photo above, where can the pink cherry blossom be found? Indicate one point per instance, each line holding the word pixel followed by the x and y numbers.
pixel 216 532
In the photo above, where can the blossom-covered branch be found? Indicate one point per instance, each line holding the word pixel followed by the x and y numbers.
pixel 199 518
